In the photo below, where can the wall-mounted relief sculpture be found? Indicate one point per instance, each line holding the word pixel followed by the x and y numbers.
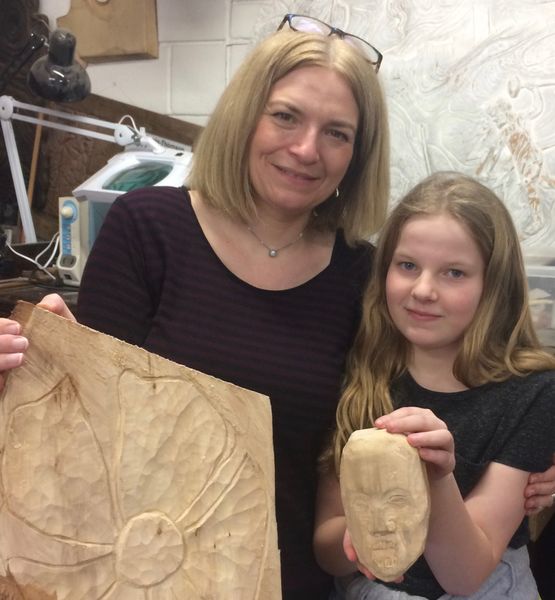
pixel 127 477
pixel 384 490
pixel 470 86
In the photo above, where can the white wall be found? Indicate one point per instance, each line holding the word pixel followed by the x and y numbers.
pixel 201 42
pixel 470 83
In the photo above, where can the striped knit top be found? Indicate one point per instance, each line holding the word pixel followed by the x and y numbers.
pixel 153 280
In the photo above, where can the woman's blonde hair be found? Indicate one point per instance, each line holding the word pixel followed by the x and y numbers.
pixel 220 167
pixel 500 341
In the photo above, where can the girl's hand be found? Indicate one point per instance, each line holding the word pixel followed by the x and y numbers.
pixel 427 433
pixel 351 554
pixel 540 491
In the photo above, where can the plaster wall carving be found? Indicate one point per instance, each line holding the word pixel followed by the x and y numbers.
pixel 470 86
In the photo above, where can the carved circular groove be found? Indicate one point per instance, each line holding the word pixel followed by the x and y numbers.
pixel 149 549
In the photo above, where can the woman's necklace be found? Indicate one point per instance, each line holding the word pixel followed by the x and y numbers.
pixel 273 252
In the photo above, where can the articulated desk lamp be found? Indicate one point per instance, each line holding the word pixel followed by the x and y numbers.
pixel 58 77
pixel 55 76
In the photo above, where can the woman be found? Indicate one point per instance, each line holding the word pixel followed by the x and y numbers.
pixel 255 276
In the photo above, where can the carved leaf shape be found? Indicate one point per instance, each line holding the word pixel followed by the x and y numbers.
pixel 42 471
pixel 170 453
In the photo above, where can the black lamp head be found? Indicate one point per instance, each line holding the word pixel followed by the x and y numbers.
pixel 57 76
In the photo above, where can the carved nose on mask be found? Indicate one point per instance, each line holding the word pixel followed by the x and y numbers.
pixel 380 524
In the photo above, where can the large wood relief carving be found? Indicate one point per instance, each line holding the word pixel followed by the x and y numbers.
pixel 127 477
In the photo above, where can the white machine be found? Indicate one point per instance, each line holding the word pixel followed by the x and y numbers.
pixel 147 160
pixel 81 215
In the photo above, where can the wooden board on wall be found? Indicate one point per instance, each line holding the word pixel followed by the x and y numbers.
pixel 109 30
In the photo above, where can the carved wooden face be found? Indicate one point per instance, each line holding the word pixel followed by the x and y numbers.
pixel 385 496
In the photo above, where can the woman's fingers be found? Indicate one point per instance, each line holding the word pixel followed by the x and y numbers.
pixel 55 304
pixel 13 359
pixel 10 327
pixel 540 491
pixel 12 344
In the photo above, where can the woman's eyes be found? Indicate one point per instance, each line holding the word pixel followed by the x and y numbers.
pixel 407 265
pixel 283 116
pixel 455 273
pixel 338 134
pixel 287 118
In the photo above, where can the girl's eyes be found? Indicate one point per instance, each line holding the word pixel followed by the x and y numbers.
pixel 406 265
pixel 410 267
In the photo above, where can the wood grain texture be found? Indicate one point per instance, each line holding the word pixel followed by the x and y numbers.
pixel 125 476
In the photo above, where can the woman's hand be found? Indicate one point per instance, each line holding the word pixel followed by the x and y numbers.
pixel 425 432
pixel 55 304
pixel 540 491
pixel 13 345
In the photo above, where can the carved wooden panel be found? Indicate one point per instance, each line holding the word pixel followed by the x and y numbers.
pixel 128 477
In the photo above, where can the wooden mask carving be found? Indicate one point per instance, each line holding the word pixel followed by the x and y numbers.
pixel 384 489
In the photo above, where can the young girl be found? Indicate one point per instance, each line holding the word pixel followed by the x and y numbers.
pixel 447 354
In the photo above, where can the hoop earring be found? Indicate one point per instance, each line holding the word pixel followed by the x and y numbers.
pixel 337 192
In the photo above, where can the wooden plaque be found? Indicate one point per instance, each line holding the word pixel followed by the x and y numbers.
pixel 113 29
pixel 125 476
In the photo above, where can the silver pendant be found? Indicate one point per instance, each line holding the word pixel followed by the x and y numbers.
pixel 273 253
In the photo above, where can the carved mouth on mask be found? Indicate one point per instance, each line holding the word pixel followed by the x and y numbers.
pixel 383 545
pixel 384 555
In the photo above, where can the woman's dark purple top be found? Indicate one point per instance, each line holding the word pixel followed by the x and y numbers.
pixel 153 280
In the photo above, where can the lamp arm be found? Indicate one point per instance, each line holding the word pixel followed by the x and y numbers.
pixel 19 183
pixel 122 135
